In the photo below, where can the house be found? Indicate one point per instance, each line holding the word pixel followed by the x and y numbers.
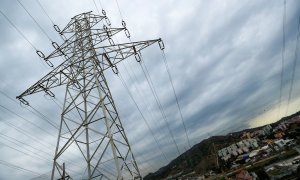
pixel 238 148
pixel 281 127
pixel 279 134
pixel 281 142
pixel 253 143
pixel 243 175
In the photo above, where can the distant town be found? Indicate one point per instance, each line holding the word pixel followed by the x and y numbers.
pixel 268 152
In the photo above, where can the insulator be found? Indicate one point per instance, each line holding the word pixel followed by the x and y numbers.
pixel 49 63
pixel 107 21
pixel 57 29
pixel 161 44
pixel 55 45
pixel 111 41
pixel 48 92
pixel 107 59
pixel 40 54
pixel 137 57
pixel 115 69
pixel 63 36
pixel 136 54
pixel 76 84
pixel 105 27
pixel 103 12
pixel 23 101
pixel 123 23
pixel 127 33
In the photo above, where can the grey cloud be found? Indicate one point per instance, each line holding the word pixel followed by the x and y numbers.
pixel 224 57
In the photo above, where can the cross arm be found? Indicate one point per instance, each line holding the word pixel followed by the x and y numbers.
pixel 61 75
pixel 98 36
pixel 72 25
pixel 109 56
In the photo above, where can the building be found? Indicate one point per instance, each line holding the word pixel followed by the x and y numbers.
pixel 243 175
pixel 238 148
pixel 279 134
pixel 281 142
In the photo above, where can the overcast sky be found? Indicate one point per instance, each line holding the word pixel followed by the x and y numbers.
pixel 225 58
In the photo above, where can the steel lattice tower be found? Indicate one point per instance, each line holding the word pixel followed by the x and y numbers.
pixel 90 125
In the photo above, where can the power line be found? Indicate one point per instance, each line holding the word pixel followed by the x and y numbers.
pixel 12 112
pixel 31 137
pixel 45 118
pixel 145 97
pixel 39 3
pixel 176 98
pixel 119 9
pixel 36 111
pixel 20 32
pixel 21 142
pixel 150 83
pixel 25 153
pixel 294 68
pixel 40 27
pixel 7 164
pixel 24 132
pixel 101 4
pixel 54 25
pixel 143 117
pixel 96 7
pixel 34 154
pixel 154 93
pixel 23 148
pixel 17 29
pixel 282 54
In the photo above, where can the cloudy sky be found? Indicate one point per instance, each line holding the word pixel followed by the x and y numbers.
pixel 225 58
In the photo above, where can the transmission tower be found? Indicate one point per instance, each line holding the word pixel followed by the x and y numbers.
pixel 90 127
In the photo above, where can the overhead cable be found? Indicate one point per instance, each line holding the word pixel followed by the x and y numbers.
pixel 294 68
pixel 282 56
pixel 176 98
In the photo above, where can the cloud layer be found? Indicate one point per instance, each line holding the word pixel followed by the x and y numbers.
pixel 224 58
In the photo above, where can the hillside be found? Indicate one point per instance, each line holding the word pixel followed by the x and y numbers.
pixel 202 157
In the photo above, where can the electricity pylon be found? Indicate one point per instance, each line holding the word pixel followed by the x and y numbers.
pixel 90 127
